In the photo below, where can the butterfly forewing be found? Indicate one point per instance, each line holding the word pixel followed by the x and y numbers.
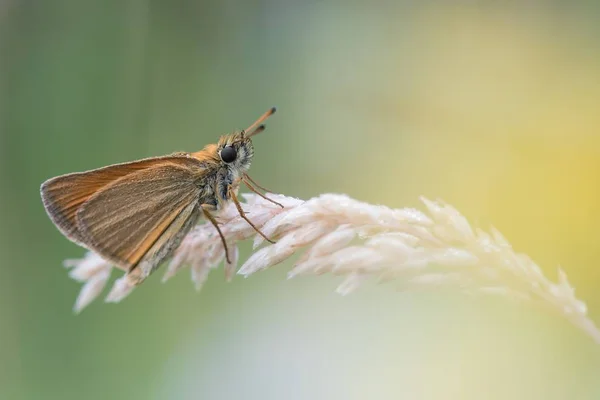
pixel 64 195
pixel 125 219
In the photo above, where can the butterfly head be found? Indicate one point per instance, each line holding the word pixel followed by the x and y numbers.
pixel 235 151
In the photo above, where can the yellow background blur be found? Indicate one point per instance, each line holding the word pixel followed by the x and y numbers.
pixel 491 106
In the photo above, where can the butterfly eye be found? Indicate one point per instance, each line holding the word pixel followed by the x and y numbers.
pixel 228 154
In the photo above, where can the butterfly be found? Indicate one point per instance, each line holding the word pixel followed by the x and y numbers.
pixel 136 214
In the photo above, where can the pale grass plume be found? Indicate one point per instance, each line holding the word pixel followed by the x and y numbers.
pixel 338 235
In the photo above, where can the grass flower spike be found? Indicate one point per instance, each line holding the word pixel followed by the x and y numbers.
pixel 358 241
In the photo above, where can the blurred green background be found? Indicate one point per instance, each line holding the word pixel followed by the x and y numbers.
pixel 492 106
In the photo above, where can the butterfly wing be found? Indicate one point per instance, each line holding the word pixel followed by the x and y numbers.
pixel 63 195
pixel 166 243
pixel 142 216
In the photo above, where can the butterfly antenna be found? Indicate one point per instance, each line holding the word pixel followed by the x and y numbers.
pixel 258 125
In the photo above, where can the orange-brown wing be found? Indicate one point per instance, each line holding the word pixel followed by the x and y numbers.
pixel 166 244
pixel 63 195
pixel 125 219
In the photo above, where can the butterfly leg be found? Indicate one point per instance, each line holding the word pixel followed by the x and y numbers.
pixel 209 216
pixel 243 214
pixel 247 177
pixel 250 182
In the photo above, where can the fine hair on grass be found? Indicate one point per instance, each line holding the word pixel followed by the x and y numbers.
pixel 357 241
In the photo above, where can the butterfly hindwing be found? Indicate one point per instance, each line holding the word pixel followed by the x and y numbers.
pixel 166 244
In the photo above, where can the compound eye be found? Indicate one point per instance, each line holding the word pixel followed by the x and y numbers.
pixel 228 154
